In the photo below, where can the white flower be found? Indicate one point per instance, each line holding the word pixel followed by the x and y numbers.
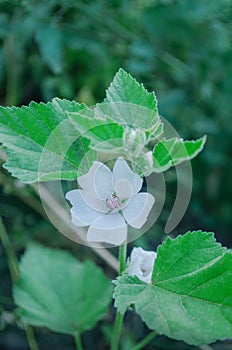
pixel 108 201
pixel 141 264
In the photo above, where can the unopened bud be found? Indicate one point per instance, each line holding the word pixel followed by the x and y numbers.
pixel 134 140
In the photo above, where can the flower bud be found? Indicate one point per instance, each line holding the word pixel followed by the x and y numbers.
pixel 141 264
pixel 134 140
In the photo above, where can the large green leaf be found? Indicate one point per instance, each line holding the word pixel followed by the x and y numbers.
pixel 58 292
pixel 41 142
pixel 190 297
pixel 129 103
pixel 168 153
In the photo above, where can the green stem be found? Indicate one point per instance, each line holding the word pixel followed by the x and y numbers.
pixel 122 258
pixel 145 341
pixel 14 271
pixel 31 338
pixel 78 341
pixel 119 317
pixel 116 331
pixel 12 258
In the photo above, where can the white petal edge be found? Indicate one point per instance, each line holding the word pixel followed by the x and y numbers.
pixel 81 214
pixel 138 209
pixel 109 228
pixel 98 180
pixel 122 171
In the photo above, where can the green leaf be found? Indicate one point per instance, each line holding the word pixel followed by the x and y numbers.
pixel 57 291
pixel 124 88
pixel 129 103
pixel 168 153
pixel 104 134
pixel 190 297
pixel 41 142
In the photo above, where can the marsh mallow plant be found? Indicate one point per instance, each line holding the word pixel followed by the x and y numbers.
pixel 183 290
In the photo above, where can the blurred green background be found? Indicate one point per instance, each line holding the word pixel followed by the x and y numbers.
pixel 72 49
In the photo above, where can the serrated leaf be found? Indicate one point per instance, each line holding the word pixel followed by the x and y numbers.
pixel 190 297
pixel 124 88
pixel 57 291
pixel 104 134
pixel 168 153
pixel 41 142
pixel 129 103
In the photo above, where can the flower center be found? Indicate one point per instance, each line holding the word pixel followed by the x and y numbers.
pixel 113 202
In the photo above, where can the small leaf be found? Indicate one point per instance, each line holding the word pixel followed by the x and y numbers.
pixel 190 297
pixel 129 103
pixel 58 292
pixel 168 153
pixel 41 142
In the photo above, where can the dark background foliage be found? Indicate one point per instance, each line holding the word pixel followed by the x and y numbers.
pixel 72 49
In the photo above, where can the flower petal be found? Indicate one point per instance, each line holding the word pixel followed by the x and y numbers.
pixel 93 201
pixel 123 189
pixel 142 259
pixel 137 210
pixel 81 213
pixel 99 180
pixel 141 264
pixel 122 171
pixel 109 228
